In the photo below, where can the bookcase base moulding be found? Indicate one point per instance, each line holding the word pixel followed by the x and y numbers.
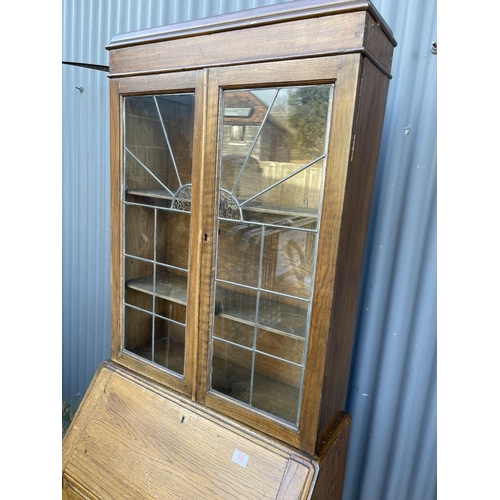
pixel 244 150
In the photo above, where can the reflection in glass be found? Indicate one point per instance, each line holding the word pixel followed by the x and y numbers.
pixel 287 347
pixel 233 331
pixel 232 370
pixel 236 302
pixel 272 160
pixel 169 344
pixel 287 263
pixel 158 145
pixel 172 238
pixel 239 251
pixel 285 315
pixel 276 377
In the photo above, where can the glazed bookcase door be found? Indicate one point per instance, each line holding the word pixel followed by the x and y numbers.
pixel 273 147
pixel 157 157
pixel 271 172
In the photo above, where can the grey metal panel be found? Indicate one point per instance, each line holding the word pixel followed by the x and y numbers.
pixel 392 394
pixel 85 211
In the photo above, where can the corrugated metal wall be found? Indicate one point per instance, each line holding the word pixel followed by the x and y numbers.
pixel 392 395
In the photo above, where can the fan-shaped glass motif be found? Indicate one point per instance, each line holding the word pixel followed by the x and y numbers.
pixel 182 199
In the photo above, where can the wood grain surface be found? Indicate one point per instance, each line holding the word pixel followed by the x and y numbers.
pixel 133 440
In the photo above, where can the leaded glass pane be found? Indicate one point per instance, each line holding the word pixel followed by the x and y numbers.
pixel 157 154
pixel 273 150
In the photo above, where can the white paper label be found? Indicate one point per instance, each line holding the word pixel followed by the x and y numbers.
pixel 240 458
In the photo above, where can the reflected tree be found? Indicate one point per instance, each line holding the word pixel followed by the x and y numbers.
pixel 308 109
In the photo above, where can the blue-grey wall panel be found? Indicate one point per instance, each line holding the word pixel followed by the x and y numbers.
pixel 392 393
pixel 86 227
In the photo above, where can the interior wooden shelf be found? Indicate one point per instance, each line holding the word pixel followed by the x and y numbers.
pixel 273 316
pixel 169 286
pixel 161 194
pixel 252 207
pixel 281 210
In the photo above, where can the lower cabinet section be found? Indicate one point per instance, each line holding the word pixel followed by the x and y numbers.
pixel 133 439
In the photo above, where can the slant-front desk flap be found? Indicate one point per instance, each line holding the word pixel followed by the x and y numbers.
pixel 132 440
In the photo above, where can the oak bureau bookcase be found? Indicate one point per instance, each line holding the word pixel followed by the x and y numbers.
pixel 243 156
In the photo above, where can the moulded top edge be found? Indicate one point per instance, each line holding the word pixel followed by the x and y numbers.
pixel 287 11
